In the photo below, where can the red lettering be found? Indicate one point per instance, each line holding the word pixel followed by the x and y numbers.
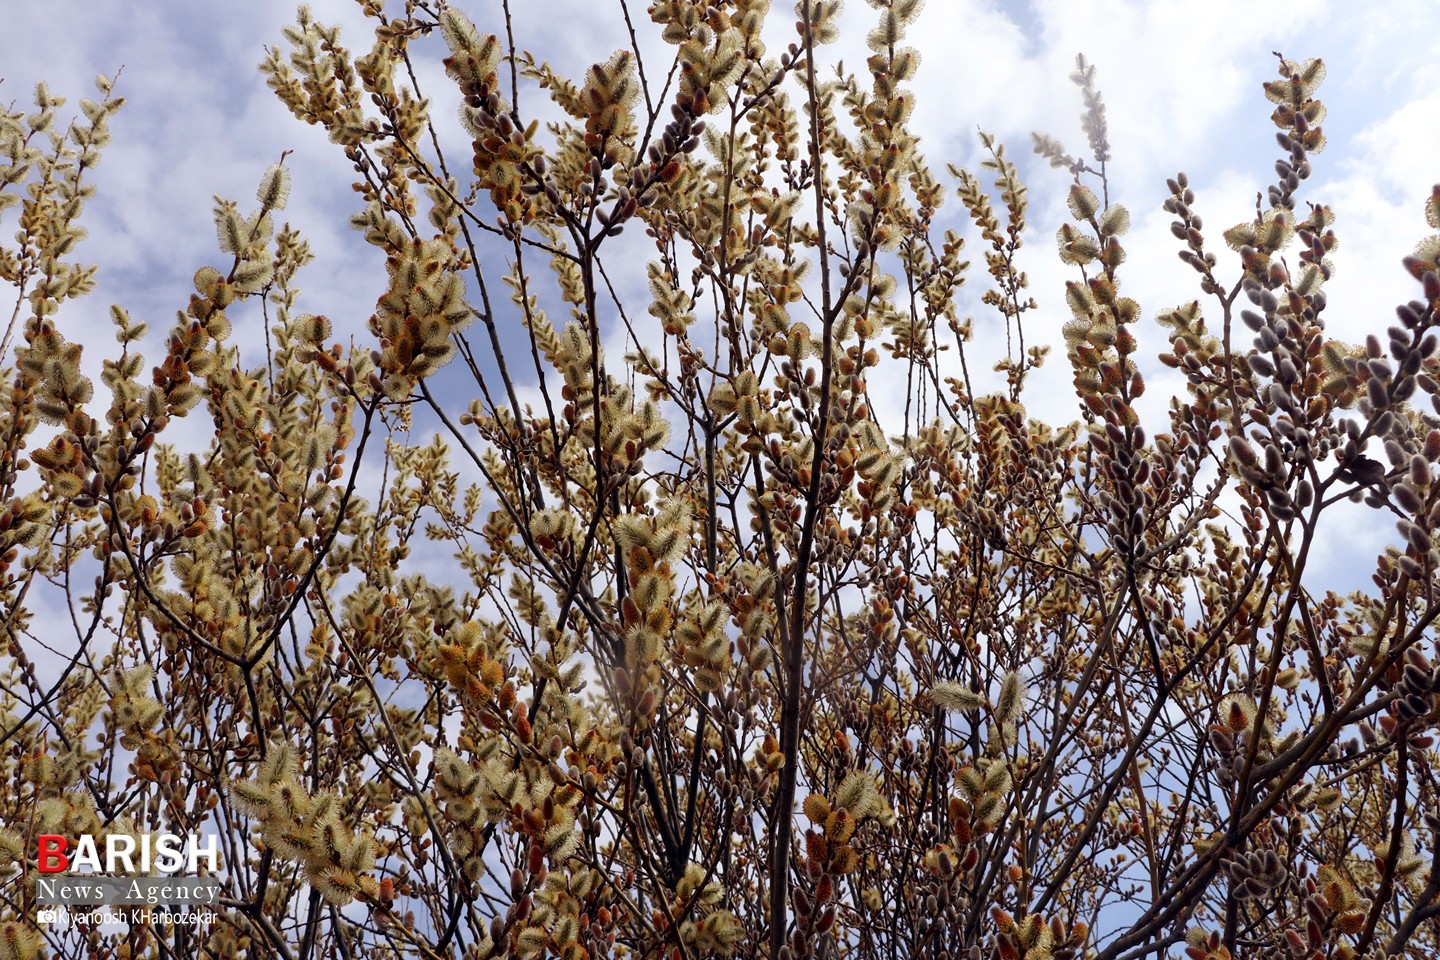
pixel 52 853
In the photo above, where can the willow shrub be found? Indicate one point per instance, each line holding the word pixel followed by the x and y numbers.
pixel 730 660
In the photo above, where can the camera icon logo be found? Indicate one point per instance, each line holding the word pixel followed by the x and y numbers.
pixel 53 916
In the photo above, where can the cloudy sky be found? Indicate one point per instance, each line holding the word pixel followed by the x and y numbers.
pixel 1181 80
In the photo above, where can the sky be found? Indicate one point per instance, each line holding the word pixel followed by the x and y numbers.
pixel 1181 82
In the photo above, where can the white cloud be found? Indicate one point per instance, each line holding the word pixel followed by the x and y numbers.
pixel 1181 85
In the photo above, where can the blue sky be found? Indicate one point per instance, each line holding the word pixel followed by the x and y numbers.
pixel 1181 80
